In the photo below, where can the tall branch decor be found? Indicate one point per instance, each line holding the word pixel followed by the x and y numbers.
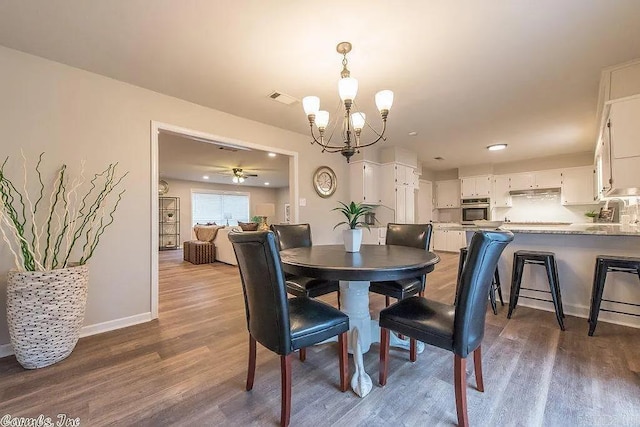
pixel 52 231
pixel 62 225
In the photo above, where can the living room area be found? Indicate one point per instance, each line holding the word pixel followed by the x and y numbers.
pixel 209 188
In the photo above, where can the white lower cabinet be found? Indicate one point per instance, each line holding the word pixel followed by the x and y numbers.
pixel 448 240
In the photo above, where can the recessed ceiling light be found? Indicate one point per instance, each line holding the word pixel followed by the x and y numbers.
pixel 496 147
pixel 266 183
pixel 272 154
pixel 413 133
pixel 205 177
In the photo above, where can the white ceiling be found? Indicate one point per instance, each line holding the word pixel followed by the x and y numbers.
pixel 182 158
pixel 466 74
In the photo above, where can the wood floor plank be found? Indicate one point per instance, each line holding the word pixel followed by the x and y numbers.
pixel 189 368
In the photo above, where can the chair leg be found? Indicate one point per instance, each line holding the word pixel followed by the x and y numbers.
pixel 344 367
pixel 387 301
pixel 460 381
pixel 413 352
pixel 251 371
pixel 384 356
pixel 477 365
pixel 285 373
pixel 554 287
pixel 492 299
pixel 516 279
pixel 339 299
pixel 599 278
pixel 303 354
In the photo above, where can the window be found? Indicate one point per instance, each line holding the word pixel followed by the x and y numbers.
pixel 219 207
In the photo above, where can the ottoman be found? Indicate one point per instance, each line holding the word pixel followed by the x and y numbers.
pixel 198 252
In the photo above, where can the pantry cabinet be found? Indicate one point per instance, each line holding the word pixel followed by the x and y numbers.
pixel 398 186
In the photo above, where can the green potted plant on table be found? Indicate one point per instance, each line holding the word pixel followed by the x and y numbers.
pixel 52 231
pixel 353 235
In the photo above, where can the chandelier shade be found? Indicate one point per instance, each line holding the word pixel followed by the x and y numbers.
pixel 353 123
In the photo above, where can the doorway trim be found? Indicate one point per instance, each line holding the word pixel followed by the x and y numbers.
pixel 158 127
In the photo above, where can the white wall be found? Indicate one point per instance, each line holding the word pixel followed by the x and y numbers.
pixel 183 189
pixel 73 115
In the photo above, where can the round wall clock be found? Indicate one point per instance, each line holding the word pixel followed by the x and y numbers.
pixel 163 187
pixel 324 181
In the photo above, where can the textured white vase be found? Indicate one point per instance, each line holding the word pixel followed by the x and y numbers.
pixel 45 311
pixel 352 239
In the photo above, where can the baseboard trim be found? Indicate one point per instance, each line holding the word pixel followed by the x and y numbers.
pixel 5 350
pixel 98 328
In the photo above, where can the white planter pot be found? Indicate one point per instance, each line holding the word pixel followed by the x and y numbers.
pixel 352 239
pixel 45 311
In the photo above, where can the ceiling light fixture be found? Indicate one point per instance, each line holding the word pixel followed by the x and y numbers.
pixel 205 176
pixel 272 154
pixel 496 147
pixel 352 122
pixel 266 183
pixel 237 179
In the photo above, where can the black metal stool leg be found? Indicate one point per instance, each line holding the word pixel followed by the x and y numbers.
pixel 599 278
pixel 496 278
pixel 492 298
pixel 516 278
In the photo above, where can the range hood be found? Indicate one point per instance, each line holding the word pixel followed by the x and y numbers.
pixel 535 192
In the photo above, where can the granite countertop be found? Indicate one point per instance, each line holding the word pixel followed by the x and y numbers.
pixel 587 229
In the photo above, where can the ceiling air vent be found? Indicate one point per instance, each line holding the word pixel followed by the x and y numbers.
pixel 282 98
pixel 438 158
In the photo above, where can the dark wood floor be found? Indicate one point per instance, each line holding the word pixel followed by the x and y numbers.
pixel 188 368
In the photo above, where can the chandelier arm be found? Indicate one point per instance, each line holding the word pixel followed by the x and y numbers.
pixel 380 136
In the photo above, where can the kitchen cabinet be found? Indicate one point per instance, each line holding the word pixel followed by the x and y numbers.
pixel 577 186
pixel 500 197
pixel 448 240
pixel 618 151
pixel 538 179
pixel 448 194
pixel 398 187
pixel 364 179
pixel 475 186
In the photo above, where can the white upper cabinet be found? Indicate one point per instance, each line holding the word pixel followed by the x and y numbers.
pixel 448 194
pixel 577 186
pixel 475 186
pixel 364 182
pixel 619 146
pixel 540 179
pixel 500 197
pixel 405 175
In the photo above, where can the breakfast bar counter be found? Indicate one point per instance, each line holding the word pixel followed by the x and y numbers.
pixel 576 247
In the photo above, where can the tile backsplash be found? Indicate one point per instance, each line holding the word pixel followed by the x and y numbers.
pixel 539 208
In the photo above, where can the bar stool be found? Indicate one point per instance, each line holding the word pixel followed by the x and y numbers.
pixel 546 259
pixel 495 284
pixel 609 264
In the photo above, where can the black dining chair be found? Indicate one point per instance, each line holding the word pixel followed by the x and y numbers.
pixel 299 236
pixel 411 235
pixel 282 325
pixel 458 328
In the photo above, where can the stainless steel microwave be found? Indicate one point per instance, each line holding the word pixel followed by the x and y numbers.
pixel 475 210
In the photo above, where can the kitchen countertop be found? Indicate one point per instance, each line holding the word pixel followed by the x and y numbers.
pixel 541 228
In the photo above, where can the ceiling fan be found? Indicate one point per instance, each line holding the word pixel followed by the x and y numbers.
pixel 238 175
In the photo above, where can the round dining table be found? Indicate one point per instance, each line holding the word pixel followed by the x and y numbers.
pixel 355 271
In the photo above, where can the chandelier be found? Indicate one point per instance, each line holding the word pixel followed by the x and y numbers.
pixel 352 121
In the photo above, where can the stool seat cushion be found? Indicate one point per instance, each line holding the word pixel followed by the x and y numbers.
pixel 422 319
pixel 534 253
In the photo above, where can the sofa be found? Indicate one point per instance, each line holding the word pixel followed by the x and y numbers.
pixel 224 249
